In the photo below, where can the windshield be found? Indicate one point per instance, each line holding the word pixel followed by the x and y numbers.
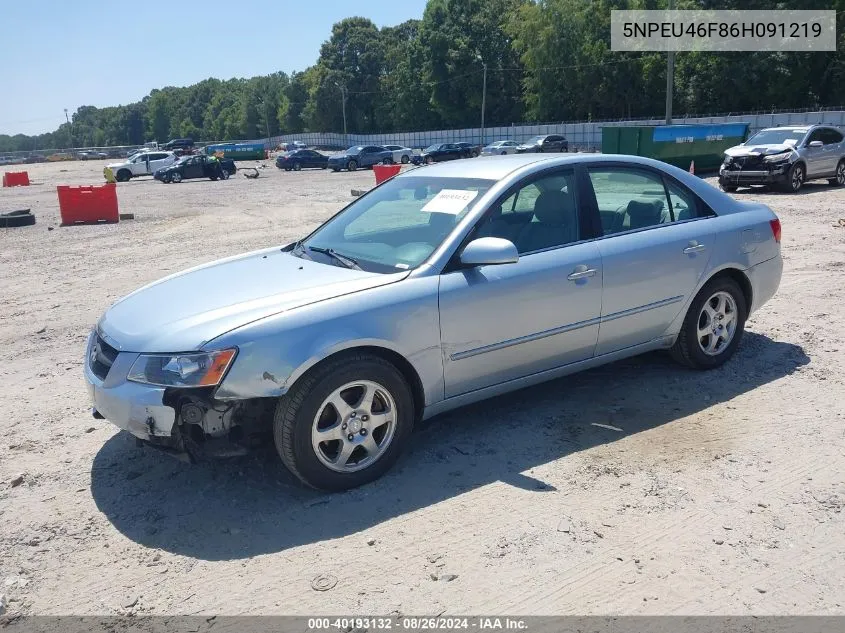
pixel 398 225
pixel 354 150
pixel 184 160
pixel 534 140
pixel 432 148
pixel 777 137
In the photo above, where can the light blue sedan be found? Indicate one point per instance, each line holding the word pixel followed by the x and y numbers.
pixel 446 285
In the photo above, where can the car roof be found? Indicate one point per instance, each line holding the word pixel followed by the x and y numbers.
pixel 498 167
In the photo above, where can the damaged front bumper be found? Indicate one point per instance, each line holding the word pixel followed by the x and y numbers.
pixel 187 424
pixel 759 174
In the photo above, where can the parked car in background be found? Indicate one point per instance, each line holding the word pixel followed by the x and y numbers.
pixel 469 150
pixel 401 154
pixel 544 143
pixel 179 143
pixel 360 156
pixel 390 313
pixel 786 157
pixel 301 158
pixel 197 166
pixel 144 163
pixel 500 148
pixel 441 151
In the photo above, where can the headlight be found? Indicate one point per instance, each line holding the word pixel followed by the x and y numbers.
pixel 777 158
pixel 201 369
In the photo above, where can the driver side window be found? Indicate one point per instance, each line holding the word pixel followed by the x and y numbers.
pixel 542 214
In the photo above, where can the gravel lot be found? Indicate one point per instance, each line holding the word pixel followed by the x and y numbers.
pixel 722 492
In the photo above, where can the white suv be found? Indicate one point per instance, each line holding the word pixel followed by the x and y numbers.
pixel 142 164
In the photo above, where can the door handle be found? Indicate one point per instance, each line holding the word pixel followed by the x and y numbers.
pixel 581 272
pixel 694 247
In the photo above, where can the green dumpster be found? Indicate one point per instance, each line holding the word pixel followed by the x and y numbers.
pixel 678 145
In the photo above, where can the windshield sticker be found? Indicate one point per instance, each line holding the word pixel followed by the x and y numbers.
pixel 402 266
pixel 451 201
pixel 790 141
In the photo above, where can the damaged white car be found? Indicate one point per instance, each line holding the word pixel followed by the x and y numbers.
pixel 786 158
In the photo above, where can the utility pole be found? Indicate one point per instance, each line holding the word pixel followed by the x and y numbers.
pixel 343 105
pixel 670 79
pixel 266 121
pixel 483 102
pixel 70 129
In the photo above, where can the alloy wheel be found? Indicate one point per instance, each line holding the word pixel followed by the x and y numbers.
pixel 717 323
pixel 354 426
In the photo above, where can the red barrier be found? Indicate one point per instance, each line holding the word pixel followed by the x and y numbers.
pixel 384 172
pixel 16 179
pixel 88 205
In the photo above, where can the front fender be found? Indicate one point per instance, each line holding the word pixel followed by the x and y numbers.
pixel 273 353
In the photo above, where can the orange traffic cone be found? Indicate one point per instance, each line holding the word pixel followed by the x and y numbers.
pixel 692 167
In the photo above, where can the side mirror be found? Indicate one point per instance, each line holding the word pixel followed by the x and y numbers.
pixel 489 251
pixel 815 144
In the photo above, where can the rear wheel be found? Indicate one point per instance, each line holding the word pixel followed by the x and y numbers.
pixel 713 327
pixel 727 188
pixel 344 423
pixel 839 179
pixel 405 159
pixel 387 161
pixel 352 165
pixel 297 167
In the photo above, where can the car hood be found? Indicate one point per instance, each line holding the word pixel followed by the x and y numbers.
pixel 185 311
pixel 117 165
pixel 527 145
pixel 343 156
pixel 758 150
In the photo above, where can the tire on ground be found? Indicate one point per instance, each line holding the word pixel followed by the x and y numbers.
pixel 687 348
pixel 297 409
pixel 15 219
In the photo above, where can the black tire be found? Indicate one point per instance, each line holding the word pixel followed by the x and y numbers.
pixel 224 175
pixel 405 160
pixel 727 188
pixel 839 179
pixel 687 348
pixel 176 177
pixel 296 410
pixel 287 168
pixel 352 165
pixel 795 178
pixel 504 153
pixel 387 161
pixel 123 175
pixel 297 167
pixel 15 219
pixel 429 160
pixel 335 169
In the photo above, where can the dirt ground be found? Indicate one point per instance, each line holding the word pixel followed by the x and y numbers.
pixel 722 492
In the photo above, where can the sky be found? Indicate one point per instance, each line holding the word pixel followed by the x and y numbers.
pixel 61 54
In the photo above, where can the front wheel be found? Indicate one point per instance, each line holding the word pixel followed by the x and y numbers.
pixel 224 175
pixel 387 161
pixel 344 423
pixel 123 175
pixel 727 188
pixel 795 178
pixel 839 179
pixel 428 160
pixel 176 177
pixel 713 327
pixel 352 165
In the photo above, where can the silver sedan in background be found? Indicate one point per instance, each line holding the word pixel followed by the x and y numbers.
pixel 499 148
pixel 444 286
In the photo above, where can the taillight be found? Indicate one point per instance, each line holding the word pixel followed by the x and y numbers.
pixel 775 224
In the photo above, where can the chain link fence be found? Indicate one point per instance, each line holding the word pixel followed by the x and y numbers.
pixel 583 136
